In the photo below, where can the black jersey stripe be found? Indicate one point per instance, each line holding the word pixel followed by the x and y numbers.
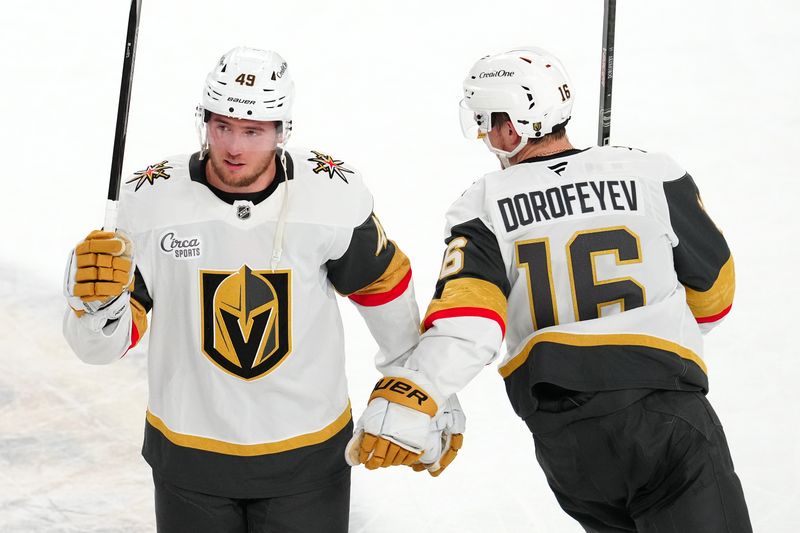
pixel 481 257
pixel 600 363
pixel 365 261
pixel 141 303
pixel 266 475
pixel 140 292
pixel 702 251
pixel 391 284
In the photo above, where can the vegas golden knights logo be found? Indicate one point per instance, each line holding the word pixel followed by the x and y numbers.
pixel 246 319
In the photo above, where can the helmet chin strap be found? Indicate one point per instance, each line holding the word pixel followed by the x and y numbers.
pixel 504 155
pixel 202 131
pixel 277 246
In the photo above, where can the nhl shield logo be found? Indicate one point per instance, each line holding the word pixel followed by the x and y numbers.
pixel 246 320
pixel 243 211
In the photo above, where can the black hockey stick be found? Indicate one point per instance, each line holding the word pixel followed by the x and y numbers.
pixel 606 73
pixel 110 223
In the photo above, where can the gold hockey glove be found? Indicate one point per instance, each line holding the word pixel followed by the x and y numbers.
pixel 99 276
pixel 103 266
pixel 445 438
pixel 395 426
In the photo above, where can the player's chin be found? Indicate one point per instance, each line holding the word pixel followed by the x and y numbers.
pixel 233 179
pixel 243 180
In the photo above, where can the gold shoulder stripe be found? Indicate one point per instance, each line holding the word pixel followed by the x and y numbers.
pixel 249 450
pixel 716 299
pixel 623 339
pixel 391 277
pixel 468 293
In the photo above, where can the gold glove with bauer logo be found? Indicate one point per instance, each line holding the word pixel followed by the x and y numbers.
pixel 402 425
pixel 99 275
pixel 445 438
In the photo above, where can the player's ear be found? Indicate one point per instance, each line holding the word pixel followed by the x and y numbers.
pixel 509 127
pixel 510 132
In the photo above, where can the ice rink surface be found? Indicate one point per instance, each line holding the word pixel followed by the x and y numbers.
pixel 715 85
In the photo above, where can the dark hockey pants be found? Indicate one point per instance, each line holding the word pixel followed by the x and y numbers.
pixel 659 465
pixel 323 510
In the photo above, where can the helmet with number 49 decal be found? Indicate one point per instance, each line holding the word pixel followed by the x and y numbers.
pixel 528 83
pixel 249 84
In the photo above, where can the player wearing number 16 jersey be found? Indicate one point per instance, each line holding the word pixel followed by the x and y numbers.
pixel 601 270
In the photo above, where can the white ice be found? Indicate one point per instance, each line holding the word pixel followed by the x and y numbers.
pixel 713 84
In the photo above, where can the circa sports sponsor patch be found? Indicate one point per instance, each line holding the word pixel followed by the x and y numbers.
pixel 179 247
pixel 150 174
pixel 326 163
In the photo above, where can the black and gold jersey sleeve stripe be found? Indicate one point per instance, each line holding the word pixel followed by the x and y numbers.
pixel 141 303
pixel 367 261
pixel 468 297
pixel 474 280
pixel 702 258
pixel 391 284
pixel 714 303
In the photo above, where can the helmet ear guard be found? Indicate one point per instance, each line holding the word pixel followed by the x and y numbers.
pixel 201 117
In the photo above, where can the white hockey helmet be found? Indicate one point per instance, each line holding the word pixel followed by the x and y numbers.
pixel 528 83
pixel 250 84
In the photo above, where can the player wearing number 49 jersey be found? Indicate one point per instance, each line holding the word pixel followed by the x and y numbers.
pixel 236 254
pixel 601 270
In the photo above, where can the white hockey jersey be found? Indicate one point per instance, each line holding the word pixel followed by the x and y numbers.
pixel 585 262
pixel 247 390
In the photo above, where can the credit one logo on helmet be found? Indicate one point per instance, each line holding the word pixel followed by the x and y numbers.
pixel 282 70
pixel 246 320
pixel 497 74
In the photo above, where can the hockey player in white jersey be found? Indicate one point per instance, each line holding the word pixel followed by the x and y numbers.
pixel 601 270
pixel 236 253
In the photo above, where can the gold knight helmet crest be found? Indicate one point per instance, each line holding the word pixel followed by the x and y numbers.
pixel 246 315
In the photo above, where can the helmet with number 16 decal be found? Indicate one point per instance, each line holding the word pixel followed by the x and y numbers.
pixel 528 83
pixel 249 84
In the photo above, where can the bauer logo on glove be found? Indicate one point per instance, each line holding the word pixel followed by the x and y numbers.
pixel 402 425
pixel 406 393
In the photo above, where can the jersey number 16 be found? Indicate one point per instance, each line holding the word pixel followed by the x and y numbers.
pixel 589 295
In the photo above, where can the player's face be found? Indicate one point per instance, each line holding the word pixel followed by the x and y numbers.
pixel 241 150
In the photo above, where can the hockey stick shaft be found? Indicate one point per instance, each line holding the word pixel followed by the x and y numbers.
pixel 110 223
pixel 606 73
